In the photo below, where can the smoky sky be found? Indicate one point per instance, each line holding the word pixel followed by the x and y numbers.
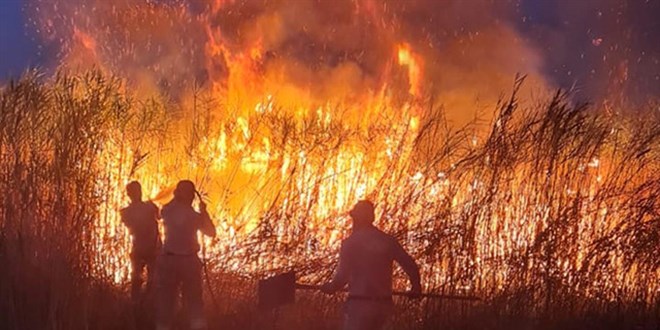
pixel 601 48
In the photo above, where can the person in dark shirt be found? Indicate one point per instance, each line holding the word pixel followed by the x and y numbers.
pixel 141 219
pixel 365 265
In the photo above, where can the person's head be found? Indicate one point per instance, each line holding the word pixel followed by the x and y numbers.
pixel 184 192
pixel 134 191
pixel 362 214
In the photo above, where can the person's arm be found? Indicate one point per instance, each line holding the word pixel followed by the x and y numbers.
pixel 206 225
pixel 410 267
pixel 156 210
pixel 123 214
pixel 341 277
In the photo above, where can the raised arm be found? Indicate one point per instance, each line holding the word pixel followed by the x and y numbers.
pixel 206 225
pixel 410 267
pixel 340 279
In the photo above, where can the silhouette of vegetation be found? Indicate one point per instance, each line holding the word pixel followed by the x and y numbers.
pixel 551 214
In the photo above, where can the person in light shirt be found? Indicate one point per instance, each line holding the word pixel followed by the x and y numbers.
pixel 141 219
pixel 365 264
pixel 179 264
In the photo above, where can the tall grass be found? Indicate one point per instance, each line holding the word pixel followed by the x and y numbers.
pixel 550 214
pixel 50 139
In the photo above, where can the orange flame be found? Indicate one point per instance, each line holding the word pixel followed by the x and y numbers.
pixel 413 62
pixel 276 132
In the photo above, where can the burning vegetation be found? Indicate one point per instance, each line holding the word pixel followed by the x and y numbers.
pixel 546 208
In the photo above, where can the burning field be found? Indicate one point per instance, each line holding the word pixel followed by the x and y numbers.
pixel 285 113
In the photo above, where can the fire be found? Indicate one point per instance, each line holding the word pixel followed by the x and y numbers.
pixel 244 170
pixel 283 136
pixel 414 64
pixel 87 41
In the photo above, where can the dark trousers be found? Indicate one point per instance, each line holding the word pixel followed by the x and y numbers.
pixel 138 265
pixel 366 314
pixel 177 272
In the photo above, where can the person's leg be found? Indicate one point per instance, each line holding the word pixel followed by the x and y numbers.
pixel 366 315
pixel 192 292
pixel 137 267
pixel 354 316
pixel 151 275
pixel 382 312
pixel 166 291
pixel 148 302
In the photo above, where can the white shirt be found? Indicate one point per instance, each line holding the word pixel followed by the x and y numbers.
pixel 181 225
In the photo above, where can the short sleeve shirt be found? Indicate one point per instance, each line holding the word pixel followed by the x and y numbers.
pixel 181 225
pixel 366 261
pixel 142 222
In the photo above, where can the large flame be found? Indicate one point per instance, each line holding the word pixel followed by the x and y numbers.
pixel 412 61
pixel 285 115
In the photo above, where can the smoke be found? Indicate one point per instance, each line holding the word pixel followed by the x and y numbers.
pixel 311 52
pixel 156 46
pixel 342 50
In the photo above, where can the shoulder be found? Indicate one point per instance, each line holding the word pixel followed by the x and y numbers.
pixel 129 208
pixel 375 232
pixel 180 210
pixel 124 211
pixel 151 206
pixel 348 241
pixel 167 208
pixel 390 239
pixel 190 212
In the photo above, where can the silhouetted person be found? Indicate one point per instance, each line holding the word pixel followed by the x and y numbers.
pixel 365 264
pixel 179 265
pixel 141 218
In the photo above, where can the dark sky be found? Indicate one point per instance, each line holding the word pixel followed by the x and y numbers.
pixel 597 45
pixel 588 43
pixel 18 51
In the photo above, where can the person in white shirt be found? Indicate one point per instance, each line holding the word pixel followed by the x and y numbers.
pixel 365 264
pixel 179 265
pixel 141 219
